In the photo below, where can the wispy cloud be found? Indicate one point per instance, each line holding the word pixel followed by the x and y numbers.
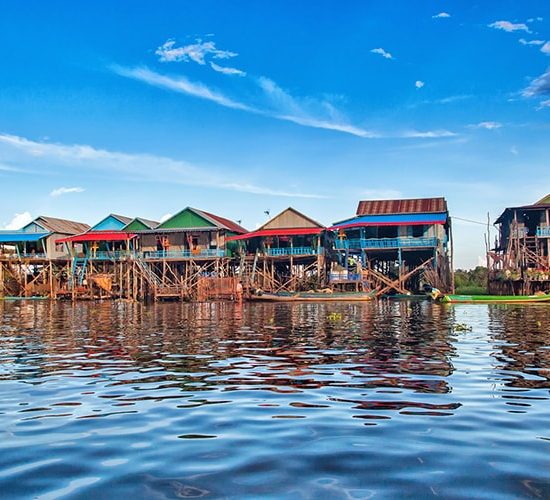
pixel 531 42
pixel 150 168
pixel 179 84
pixel 64 190
pixel 279 103
pixel 533 19
pixel 197 52
pixel 487 125
pixel 226 70
pixel 545 49
pixel 19 221
pixel 545 104
pixel 382 52
pixel 441 15
pixel 419 84
pixel 514 150
pixel 429 134
pixel 540 86
pixel 509 26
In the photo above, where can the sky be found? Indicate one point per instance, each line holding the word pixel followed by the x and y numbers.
pixel 244 108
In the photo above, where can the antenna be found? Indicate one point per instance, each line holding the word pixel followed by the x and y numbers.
pixel 267 212
pixel 239 222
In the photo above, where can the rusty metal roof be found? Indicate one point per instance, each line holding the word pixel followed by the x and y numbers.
pixel 410 206
pixel 62 226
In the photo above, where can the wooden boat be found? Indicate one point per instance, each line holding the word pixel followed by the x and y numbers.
pixel 313 297
pixel 496 299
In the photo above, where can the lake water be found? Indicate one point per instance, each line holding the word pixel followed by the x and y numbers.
pixel 384 399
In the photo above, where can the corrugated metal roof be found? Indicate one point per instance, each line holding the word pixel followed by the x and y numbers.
pixel 408 206
pixel 393 220
pixel 292 216
pixel 277 232
pixel 63 226
pixel 98 236
pixel 229 224
pixel 20 236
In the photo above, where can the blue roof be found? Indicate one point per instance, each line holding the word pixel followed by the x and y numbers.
pixel 20 236
pixel 394 220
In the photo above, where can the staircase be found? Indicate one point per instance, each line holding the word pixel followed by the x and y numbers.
pixel 78 271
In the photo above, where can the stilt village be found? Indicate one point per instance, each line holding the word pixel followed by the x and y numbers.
pixel 388 247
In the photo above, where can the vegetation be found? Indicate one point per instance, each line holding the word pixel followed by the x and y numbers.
pixel 471 282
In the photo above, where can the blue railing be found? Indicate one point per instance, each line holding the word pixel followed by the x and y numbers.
pixel 344 276
pixel 364 243
pixel 183 254
pixel 31 255
pixel 110 255
pixel 293 251
pixel 543 231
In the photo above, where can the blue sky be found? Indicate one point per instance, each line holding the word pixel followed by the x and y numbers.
pixel 143 108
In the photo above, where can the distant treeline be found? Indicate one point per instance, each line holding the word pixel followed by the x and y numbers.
pixel 471 282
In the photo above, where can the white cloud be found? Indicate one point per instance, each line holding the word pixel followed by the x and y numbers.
pixel 545 49
pixel 165 217
pixel 441 15
pixel 514 150
pixel 487 125
pixel 147 167
pixel 63 190
pixel 509 27
pixel 544 104
pixel 540 86
pixel 531 42
pixel 382 52
pixel 226 71
pixel 429 134
pixel 168 52
pixel 533 19
pixel 280 104
pixel 19 221
pixel 419 84
pixel 179 84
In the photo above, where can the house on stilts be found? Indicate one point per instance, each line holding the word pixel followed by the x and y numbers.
pixel 519 262
pixel 394 246
pixel 31 259
pixel 286 253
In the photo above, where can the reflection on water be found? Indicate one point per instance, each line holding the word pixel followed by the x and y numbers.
pixel 274 400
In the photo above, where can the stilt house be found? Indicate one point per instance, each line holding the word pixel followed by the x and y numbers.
pixel 395 245
pixel 520 259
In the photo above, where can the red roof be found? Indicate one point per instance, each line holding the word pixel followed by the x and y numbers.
pixel 232 226
pixel 98 236
pixel 416 205
pixel 277 232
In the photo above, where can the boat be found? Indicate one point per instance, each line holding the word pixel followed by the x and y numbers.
pixel 313 297
pixel 497 299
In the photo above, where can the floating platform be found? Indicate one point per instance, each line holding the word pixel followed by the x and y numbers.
pixel 497 299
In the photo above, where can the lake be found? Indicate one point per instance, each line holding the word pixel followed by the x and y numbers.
pixel 169 400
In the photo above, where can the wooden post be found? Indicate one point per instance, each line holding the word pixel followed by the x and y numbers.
pixel 453 257
pixel 1 279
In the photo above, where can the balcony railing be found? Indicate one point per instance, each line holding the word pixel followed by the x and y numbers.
pixel 293 251
pixel 22 255
pixel 184 254
pixel 364 243
pixel 112 255
pixel 344 276
pixel 543 231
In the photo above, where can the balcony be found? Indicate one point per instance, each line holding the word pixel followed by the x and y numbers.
pixel 385 243
pixel 292 251
pixel 184 254
pixel 110 255
pixel 543 231
pixel 25 256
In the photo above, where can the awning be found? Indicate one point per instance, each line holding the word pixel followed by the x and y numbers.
pixel 98 236
pixel 392 220
pixel 277 232
pixel 20 236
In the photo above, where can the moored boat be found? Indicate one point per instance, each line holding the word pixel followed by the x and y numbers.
pixel 313 297
pixel 497 299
